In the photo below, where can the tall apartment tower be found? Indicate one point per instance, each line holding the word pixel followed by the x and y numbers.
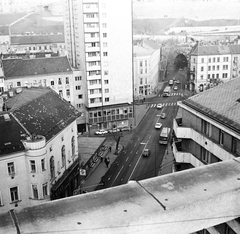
pixel 98 37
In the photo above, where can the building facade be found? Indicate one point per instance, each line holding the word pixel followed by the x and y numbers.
pixel 146 68
pixel 208 131
pixel 98 37
pixel 38 148
pixel 211 65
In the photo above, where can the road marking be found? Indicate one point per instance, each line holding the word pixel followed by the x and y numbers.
pixel 131 151
pixel 137 152
pixel 117 175
pixel 127 159
pixel 135 144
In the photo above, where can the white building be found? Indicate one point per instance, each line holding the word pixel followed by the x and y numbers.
pixel 37 148
pixel 98 37
pixel 146 68
pixel 210 65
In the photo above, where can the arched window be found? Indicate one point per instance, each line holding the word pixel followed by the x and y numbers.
pixel 73 146
pixel 63 156
pixel 52 168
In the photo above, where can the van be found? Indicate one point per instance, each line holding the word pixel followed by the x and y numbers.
pixel 170 82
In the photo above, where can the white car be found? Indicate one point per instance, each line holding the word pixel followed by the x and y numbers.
pixel 158 125
pixel 175 88
pixel 101 132
pixel 163 116
pixel 113 130
pixel 159 106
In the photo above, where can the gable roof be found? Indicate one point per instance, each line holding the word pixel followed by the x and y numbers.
pixel 235 49
pixel 221 103
pixel 19 67
pixel 37 39
pixel 151 44
pixel 38 110
pixel 210 50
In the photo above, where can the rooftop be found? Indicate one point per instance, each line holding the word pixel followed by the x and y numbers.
pixel 38 110
pixel 221 102
pixel 19 67
pixel 141 51
pixel 181 202
pixel 211 50
pixel 37 39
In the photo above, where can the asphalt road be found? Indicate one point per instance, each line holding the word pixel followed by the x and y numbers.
pixel 130 164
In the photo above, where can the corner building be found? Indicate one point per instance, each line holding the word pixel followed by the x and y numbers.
pixel 98 37
pixel 208 131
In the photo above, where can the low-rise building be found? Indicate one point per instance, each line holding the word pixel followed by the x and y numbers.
pixel 208 130
pixel 211 65
pixel 146 68
pixel 38 147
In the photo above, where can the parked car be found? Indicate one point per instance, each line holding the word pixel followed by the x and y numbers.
pixel 124 129
pixel 170 82
pixel 177 82
pixel 158 125
pixel 159 106
pixel 146 153
pixel 101 132
pixel 165 95
pixel 163 116
pixel 113 130
pixel 175 88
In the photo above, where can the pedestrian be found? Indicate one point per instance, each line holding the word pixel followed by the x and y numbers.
pixel 101 158
pixel 110 148
pixel 107 162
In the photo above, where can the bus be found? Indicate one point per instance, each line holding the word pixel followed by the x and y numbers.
pixel 166 91
pixel 164 136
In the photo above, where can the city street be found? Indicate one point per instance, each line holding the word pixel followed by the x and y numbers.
pixel 130 164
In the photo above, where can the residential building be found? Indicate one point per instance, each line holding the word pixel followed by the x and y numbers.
pixel 100 45
pixel 38 148
pixel 211 65
pixel 54 72
pixel 146 68
pixel 208 130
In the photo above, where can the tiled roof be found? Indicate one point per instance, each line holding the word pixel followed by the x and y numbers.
pixel 40 111
pixel 11 135
pixel 211 50
pixel 37 39
pixel 46 115
pixel 19 67
pixel 139 50
pixel 221 103
pixel 235 49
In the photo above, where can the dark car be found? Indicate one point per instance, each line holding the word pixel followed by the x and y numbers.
pixel 146 153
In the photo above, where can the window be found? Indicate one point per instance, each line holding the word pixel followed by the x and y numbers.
pixel 140 64
pixel 105 44
pixel 214 60
pixel 145 63
pixel 218 59
pixel 59 81
pixel 201 77
pixel 105 72
pixel 145 80
pixel 209 68
pixel 52 82
pixel 67 80
pixel 11 168
pixel 202 68
pixel 80 96
pixel 213 76
pixel 234 145
pixel 221 137
pixel 35 191
pixel 45 190
pixel 141 71
pixel 61 93
pixel 209 60
pixel 202 60
pixel 68 92
pixel 206 128
pixel 18 83
pixel 141 81
pixel 217 67
pixel 217 76
pixel 14 194
pixel 78 87
pixel 63 156
pixel 77 78
pixel 107 99
pixel 105 54
pixel 225 59
pixel 224 75
pixel 73 146
pixel 104 15
pixel 52 168
pixel 145 70
pixel 32 166
pixel 105 81
pixel 104 25
pixel 43 164
pixel 213 68
pixel 104 34
pixel 205 155
pixel 106 90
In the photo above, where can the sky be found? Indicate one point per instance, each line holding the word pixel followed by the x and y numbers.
pixel 195 9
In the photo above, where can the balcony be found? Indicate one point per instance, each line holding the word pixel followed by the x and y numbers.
pixel 93 68
pixel 91 30
pixel 93 58
pixel 201 139
pixel 92 49
pixel 35 145
pixel 185 157
pixel 91 39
